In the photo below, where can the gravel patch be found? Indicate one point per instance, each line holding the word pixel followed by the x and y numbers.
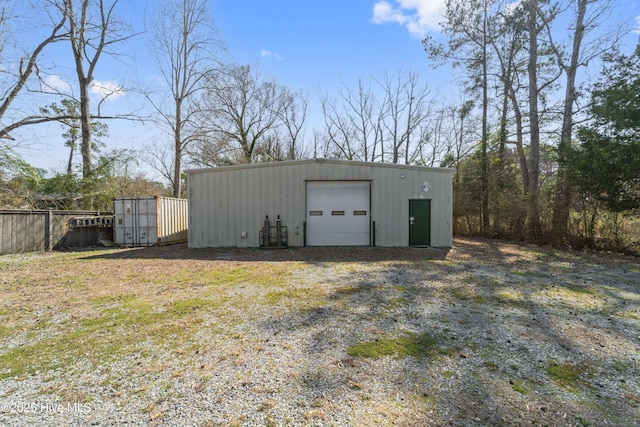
pixel 520 335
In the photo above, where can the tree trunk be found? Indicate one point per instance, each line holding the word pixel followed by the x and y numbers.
pixel 177 160
pixel 85 120
pixel 522 158
pixel 485 133
pixel 499 216
pixel 70 162
pixel 77 34
pixel 562 201
pixel 533 209
pixel 85 145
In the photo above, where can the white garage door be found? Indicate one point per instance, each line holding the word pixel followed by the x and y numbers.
pixel 338 213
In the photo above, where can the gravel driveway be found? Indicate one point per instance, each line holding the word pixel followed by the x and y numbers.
pixel 488 333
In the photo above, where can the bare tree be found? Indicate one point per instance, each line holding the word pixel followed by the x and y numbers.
pixel 320 145
pixel 356 126
pixel 93 28
pixel 293 116
pixel 382 120
pixel 339 133
pixel 187 52
pixel 457 128
pixel 245 111
pixel 406 109
pixel 4 16
pixel 434 141
pixel 67 115
pixel 28 66
pixel 160 158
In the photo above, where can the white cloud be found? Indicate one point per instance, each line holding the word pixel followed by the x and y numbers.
pixel 268 54
pixel 105 89
pixel 636 30
pixel 419 16
pixel 55 84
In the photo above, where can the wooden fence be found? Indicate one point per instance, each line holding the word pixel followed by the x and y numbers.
pixel 41 230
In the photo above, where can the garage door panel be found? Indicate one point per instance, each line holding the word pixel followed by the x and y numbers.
pixel 346 228
pixel 339 239
pixel 338 213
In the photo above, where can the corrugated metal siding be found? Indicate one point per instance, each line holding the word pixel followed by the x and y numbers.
pixel 147 221
pixel 173 220
pixel 224 202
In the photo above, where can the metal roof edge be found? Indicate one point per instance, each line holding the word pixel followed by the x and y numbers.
pixel 311 161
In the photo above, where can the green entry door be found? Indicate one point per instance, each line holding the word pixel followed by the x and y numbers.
pixel 419 222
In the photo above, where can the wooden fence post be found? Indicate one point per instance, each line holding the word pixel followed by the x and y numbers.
pixel 48 231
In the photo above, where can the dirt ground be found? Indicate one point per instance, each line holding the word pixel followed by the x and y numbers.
pixel 486 333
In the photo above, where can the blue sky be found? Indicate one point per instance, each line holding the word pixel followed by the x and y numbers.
pixel 306 45
pixel 317 43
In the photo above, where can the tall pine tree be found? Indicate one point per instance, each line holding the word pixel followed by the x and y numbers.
pixel 606 163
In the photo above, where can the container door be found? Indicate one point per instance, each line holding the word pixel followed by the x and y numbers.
pixel 147 224
pixel 419 222
pixel 125 224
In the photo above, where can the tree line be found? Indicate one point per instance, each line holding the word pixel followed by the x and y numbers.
pixel 546 165
pixel 541 152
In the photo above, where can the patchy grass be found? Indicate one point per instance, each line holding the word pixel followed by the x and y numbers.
pixel 275 297
pixel 467 293
pixel 191 305
pixel 108 312
pixel 578 297
pixel 519 386
pixel 408 344
pixel 229 277
pixel 482 281
pixel 292 296
pixel 115 332
pixel 403 289
pixel 529 273
pixel 509 296
pixel 628 314
pixel 632 399
pixel 447 373
pixel 568 375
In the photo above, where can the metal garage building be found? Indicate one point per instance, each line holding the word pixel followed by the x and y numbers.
pixel 321 203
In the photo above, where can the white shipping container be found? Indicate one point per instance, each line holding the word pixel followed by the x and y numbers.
pixel 149 221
